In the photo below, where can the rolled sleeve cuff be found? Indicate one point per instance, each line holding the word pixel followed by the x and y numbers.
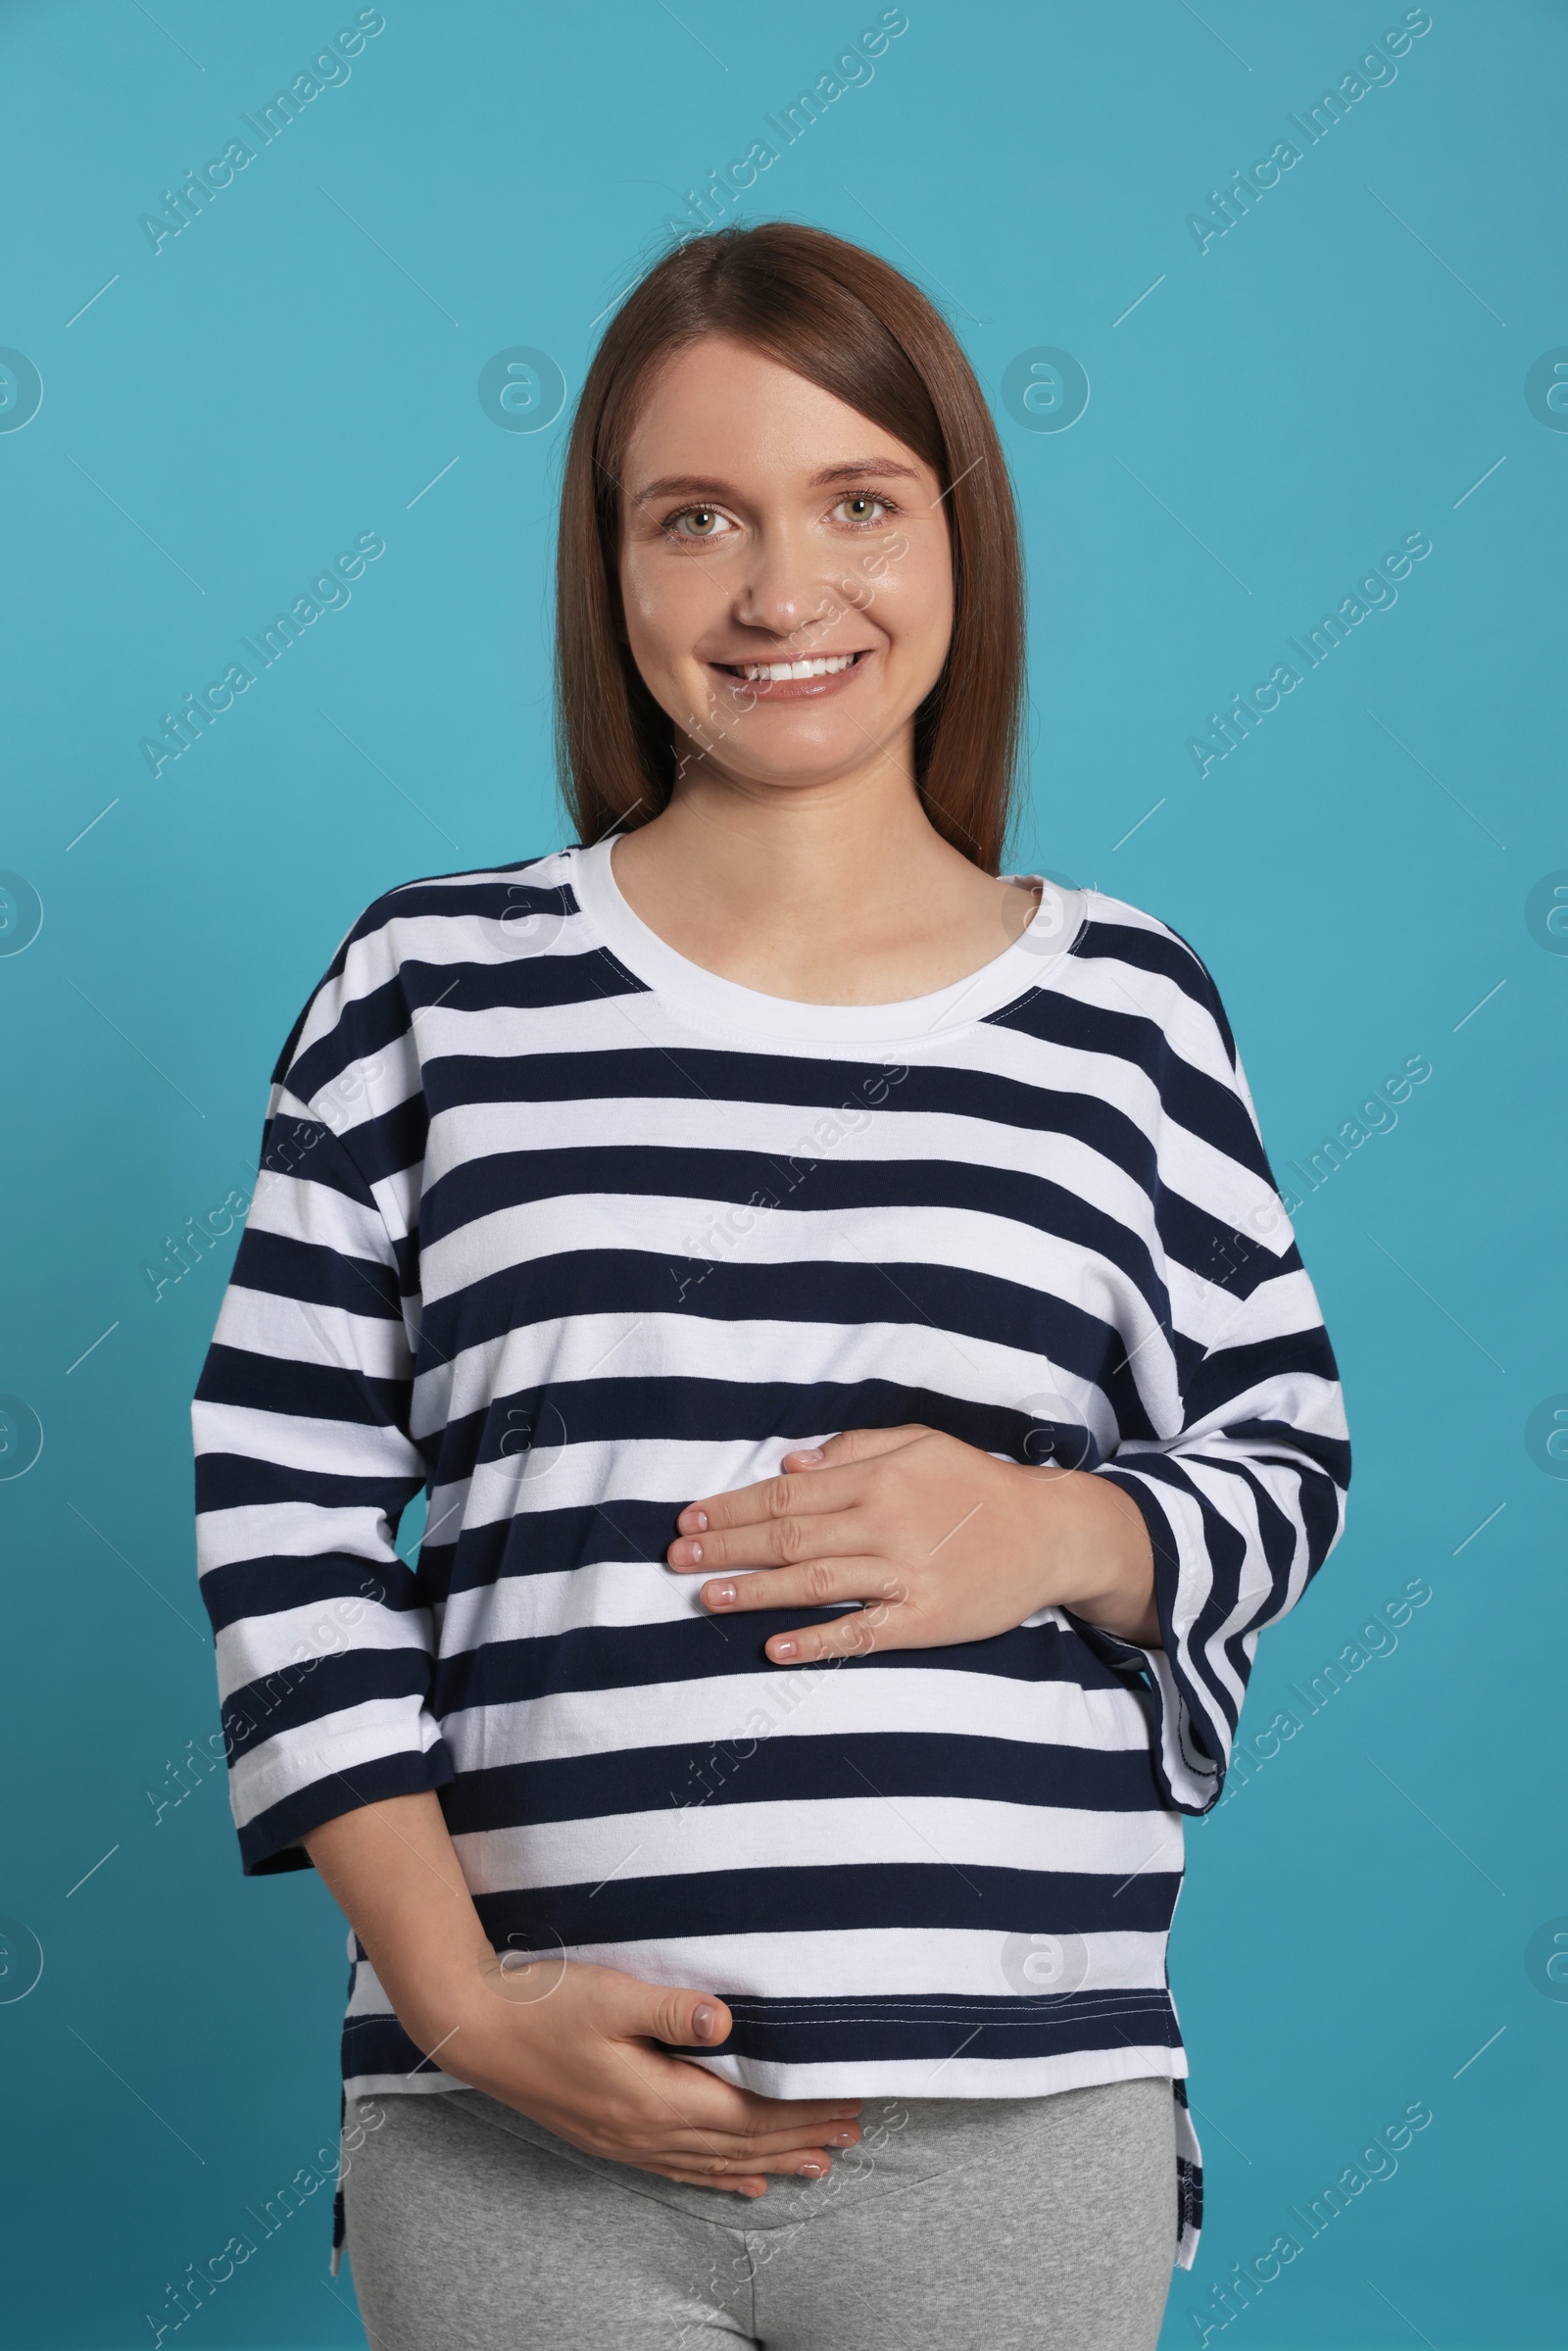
pixel 270 1843
pixel 1190 1778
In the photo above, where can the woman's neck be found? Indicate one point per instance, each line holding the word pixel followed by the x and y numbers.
pixel 840 892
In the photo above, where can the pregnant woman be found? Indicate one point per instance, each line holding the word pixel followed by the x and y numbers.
pixel 835 1302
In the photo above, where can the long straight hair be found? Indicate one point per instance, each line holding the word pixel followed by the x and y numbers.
pixel 847 322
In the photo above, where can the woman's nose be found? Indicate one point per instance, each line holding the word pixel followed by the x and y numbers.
pixel 784 589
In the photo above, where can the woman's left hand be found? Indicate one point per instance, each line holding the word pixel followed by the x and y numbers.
pixel 939 1542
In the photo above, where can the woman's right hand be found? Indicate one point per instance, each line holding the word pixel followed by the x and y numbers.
pixel 580 2049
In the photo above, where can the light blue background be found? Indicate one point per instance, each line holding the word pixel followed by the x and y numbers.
pixel 1275 413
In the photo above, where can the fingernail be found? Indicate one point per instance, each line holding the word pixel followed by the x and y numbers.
pixel 720 1596
pixel 841 2138
pixel 699 1519
pixel 694 1553
pixel 812 2171
pixel 784 1649
pixel 702 2021
pixel 812 1452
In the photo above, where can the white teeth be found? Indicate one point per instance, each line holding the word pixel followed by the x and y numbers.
pixel 772 672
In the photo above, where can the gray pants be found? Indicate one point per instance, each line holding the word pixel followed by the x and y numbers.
pixel 1043 2224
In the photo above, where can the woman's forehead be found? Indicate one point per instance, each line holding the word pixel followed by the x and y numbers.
pixel 719 408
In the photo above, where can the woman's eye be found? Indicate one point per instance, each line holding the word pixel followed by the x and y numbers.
pixel 859 504
pixel 705 520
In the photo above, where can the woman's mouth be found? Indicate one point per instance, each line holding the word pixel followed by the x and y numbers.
pixel 788 681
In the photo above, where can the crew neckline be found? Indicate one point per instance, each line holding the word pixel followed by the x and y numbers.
pixel 1034 959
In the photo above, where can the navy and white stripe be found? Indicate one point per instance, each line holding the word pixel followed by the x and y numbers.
pixel 561 1231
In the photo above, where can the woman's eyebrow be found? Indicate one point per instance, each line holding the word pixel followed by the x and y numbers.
pixel 696 485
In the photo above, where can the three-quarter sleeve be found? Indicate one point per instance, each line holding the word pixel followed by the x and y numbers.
pixel 305 1463
pixel 1242 1473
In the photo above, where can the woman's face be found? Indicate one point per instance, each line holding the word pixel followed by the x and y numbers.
pixel 765 524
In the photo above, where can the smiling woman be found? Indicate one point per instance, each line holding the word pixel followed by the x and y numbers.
pixel 767 356
pixel 792 1256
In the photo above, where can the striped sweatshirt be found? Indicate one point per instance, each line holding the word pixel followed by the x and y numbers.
pixel 558 1231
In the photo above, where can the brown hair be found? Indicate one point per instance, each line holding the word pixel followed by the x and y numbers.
pixel 848 323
